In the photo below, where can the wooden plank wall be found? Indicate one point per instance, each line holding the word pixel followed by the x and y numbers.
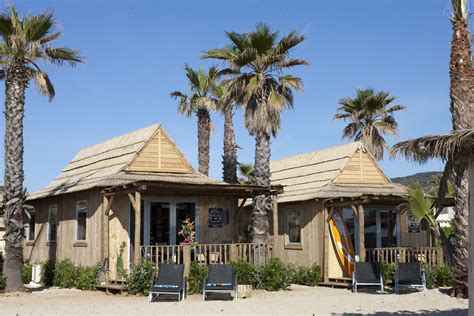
pixel 311 250
pixel 421 239
pixel 65 247
pixel 160 155
pixel 361 168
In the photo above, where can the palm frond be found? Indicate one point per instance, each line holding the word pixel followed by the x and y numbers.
pixel 62 55
pixel 38 26
pixel 418 204
pixel 6 27
pixel 395 108
pixel 43 83
pixel 456 146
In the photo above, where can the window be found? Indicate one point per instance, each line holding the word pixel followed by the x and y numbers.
pixel 81 220
pixel 31 227
pixel 294 227
pixel 52 223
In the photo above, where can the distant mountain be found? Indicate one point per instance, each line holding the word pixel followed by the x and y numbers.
pixel 424 179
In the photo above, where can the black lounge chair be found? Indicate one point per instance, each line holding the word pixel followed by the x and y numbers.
pixel 366 273
pixel 169 281
pixel 221 279
pixel 409 274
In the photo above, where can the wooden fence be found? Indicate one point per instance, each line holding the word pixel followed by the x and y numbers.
pixel 207 253
pixel 433 256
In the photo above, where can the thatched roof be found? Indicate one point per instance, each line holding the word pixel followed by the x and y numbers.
pixel 105 165
pixel 313 176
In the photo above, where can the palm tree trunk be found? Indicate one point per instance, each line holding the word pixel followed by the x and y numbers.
pixel 230 149
pixel 262 200
pixel 15 86
pixel 204 135
pixel 462 100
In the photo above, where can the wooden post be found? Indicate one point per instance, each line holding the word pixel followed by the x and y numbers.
pixel 361 233
pixel 326 245
pixel 186 259
pixel 275 224
pixel 137 207
pixel 106 206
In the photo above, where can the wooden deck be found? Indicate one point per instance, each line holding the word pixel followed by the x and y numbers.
pixel 113 286
pixel 337 282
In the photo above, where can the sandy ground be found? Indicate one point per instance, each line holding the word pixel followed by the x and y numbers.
pixel 298 300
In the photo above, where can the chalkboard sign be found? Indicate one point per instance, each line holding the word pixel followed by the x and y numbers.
pixel 215 217
pixel 413 224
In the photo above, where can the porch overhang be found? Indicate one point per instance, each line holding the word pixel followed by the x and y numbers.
pixel 152 187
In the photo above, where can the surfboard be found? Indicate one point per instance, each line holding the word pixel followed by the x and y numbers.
pixel 342 241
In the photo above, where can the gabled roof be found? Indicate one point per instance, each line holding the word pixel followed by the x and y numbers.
pixel 147 154
pixel 331 173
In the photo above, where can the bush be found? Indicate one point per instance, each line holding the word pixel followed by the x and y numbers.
pixel 26 271
pixel 86 277
pixel 275 275
pixel 387 270
pixel 47 272
pixel 445 276
pixel 65 274
pixel 244 271
pixel 438 276
pixel 139 280
pixel 309 276
pixel 197 273
pixel 2 281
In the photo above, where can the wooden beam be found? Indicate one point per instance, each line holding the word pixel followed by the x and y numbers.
pixel 354 210
pixel 275 222
pixel 326 246
pixel 106 206
pixel 331 210
pixel 361 233
pixel 137 206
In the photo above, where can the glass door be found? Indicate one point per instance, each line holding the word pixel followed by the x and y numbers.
pixel 159 223
pixel 184 211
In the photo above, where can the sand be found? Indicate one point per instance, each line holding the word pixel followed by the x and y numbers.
pixel 299 300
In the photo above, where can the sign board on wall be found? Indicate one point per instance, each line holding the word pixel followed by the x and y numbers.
pixel 218 217
pixel 413 224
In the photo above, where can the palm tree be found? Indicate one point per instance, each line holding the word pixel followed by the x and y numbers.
pixel 26 41
pixel 246 173
pixel 370 116
pixel 226 106
pixel 256 61
pixel 200 102
pixel 457 148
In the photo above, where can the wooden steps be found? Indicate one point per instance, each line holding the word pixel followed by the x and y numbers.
pixel 116 286
pixel 338 282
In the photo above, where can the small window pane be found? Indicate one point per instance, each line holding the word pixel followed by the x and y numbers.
pixel 52 223
pixel 81 225
pixel 294 227
pixel 31 228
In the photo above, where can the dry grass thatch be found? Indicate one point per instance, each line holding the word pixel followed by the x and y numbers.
pixel 455 146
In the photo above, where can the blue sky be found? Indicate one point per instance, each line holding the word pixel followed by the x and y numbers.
pixel 136 51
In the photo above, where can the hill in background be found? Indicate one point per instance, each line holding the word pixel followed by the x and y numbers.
pixel 424 179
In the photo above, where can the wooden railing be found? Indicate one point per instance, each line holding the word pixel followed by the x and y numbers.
pixel 207 253
pixel 433 256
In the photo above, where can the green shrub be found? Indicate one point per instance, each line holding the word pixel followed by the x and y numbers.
pixel 86 277
pixel 275 275
pixel 139 279
pixel 66 274
pixel 2 281
pixel 197 273
pixel 244 271
pixel 445 276
pixel 26 271
pixel 431 274
pixel 47 272
pixel 387 270
pixel 309 276
pixel 438 276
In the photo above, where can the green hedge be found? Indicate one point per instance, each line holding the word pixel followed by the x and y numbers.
pixel 388 271
pixel 26 271
pixel 139 279
pixel 438 276
pixel 197 274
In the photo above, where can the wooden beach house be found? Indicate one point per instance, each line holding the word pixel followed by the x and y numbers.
pixel 344 179
pixel 134 191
